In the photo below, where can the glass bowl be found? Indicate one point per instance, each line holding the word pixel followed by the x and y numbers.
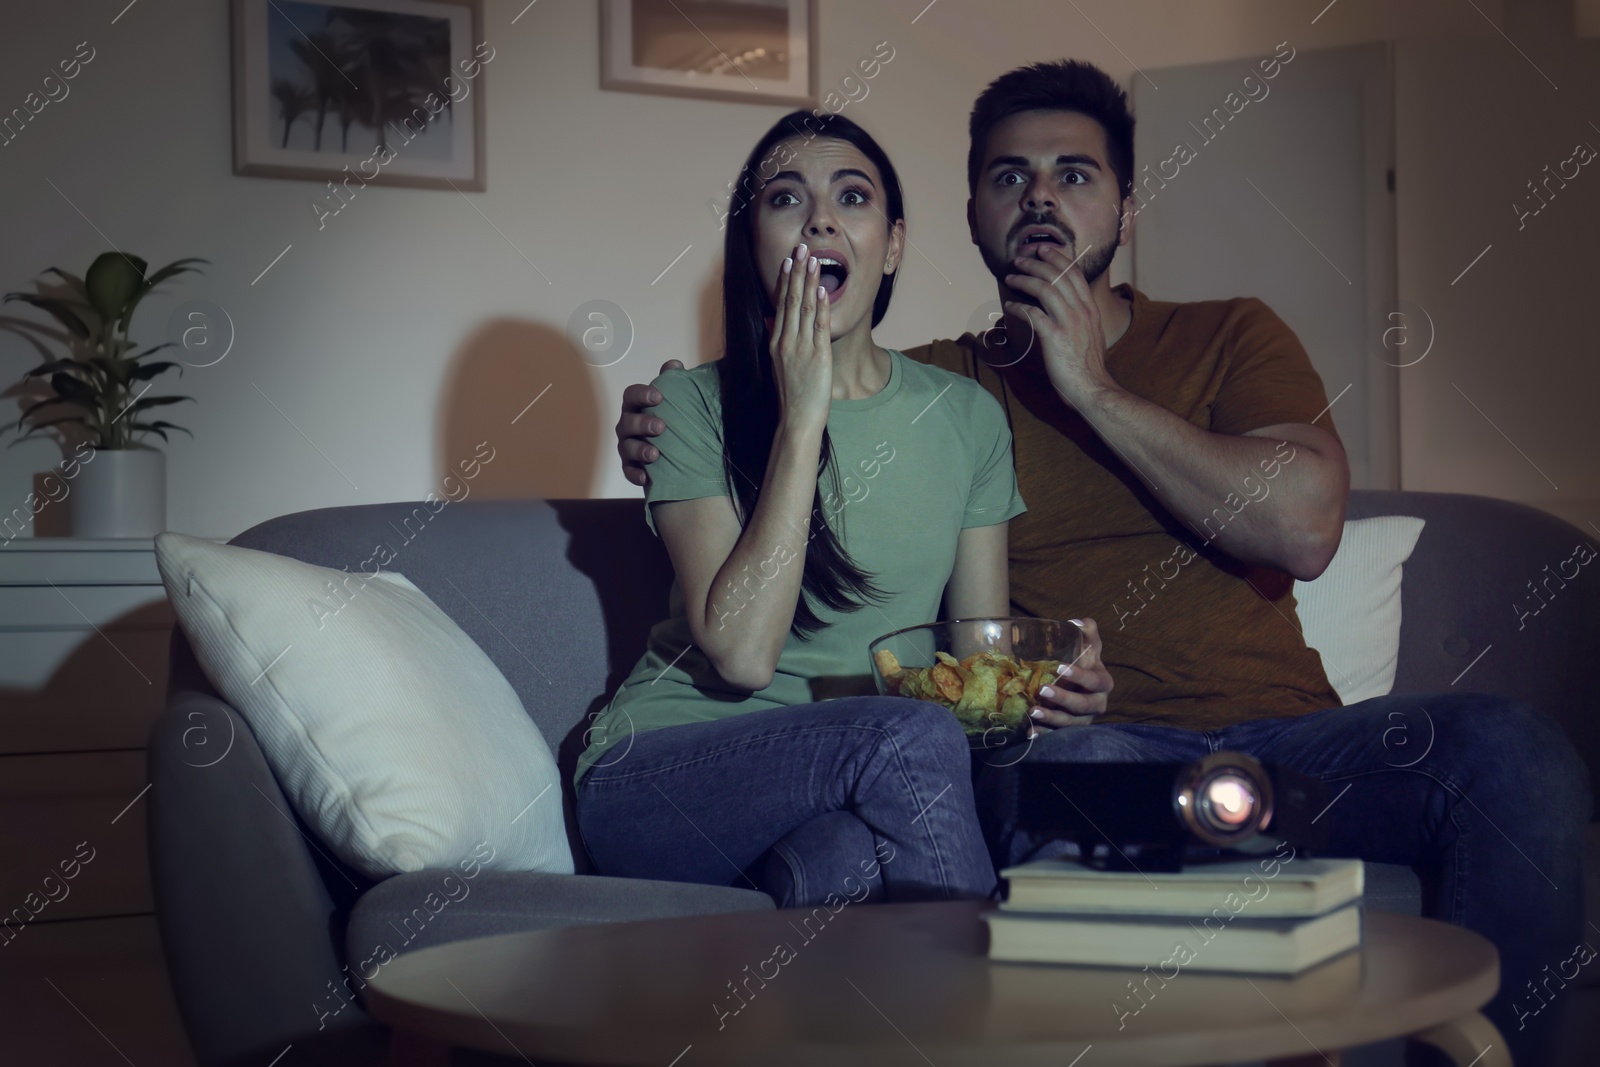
pixel 992 668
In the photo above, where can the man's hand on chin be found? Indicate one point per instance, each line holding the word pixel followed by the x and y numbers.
pixel 1078 695
pixel 1066 323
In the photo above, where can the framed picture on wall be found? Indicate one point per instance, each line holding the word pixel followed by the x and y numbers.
pixel 389 90
pixel 762 51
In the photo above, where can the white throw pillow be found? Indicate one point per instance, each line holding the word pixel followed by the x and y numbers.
pixel 1351 613
pixel 393 735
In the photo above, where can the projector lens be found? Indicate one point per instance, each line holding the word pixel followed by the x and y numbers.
pixel 1224 799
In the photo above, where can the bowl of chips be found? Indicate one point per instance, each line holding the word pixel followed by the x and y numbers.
pixel 987 671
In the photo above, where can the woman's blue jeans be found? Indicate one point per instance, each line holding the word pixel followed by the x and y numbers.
pixel 707 802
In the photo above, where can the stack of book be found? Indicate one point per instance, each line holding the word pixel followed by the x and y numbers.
pixel 1260 916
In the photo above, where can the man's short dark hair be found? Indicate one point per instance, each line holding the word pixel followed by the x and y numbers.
pixel 1065 85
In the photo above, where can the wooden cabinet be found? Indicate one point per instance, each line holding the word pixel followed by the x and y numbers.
pixel 84 631
pixel 84 628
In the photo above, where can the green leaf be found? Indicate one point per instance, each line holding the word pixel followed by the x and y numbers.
pixel 71 279
pixel 57 365
pixel 146 371
pixel 176 267
pixel 60 309
pixel 155 401
pixel 160 427
pixel 111 282
pixel 54 401
pixel 151 350
pixel 69 388
pixel 115 370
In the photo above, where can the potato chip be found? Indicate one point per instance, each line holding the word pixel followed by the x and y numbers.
pixel 948 683
pixel 1014 711
pixel 970 718
pixel 1044 671
pixel 981 695
pixel 1009 673
pixel 887 662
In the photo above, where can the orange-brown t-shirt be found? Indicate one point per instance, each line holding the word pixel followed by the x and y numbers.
pixel 1193 637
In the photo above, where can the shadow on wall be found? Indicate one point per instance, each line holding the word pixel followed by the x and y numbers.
pixel 521 387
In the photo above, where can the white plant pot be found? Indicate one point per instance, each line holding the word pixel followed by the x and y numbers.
pixel 119 493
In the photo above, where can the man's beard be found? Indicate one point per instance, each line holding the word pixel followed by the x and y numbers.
pixel 1096 263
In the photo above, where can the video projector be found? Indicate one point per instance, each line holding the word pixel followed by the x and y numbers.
pixel 1148 816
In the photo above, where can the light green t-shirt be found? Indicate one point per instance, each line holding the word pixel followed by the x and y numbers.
pixel 924 458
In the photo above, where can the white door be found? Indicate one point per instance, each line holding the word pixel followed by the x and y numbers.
pixel 1285 192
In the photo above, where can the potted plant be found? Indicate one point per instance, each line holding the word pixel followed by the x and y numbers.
pixel 96 395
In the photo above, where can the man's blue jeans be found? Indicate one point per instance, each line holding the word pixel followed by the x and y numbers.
pixel 707 802
pixel 1486 796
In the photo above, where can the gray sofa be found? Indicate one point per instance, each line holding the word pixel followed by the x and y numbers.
pixel 258 920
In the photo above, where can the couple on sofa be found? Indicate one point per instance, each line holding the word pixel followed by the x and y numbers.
pixel 815 490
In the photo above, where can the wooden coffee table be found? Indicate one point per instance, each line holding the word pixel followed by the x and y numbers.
pixel 910 984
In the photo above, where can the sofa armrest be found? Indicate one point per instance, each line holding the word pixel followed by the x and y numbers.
pixel 248 926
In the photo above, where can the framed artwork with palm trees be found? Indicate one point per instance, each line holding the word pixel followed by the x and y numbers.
pixel 761 51
pixel 388 92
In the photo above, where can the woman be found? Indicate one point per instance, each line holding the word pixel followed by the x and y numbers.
pixel 814 491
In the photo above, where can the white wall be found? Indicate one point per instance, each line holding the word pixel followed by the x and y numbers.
pixel 1516 335
pixel 409 329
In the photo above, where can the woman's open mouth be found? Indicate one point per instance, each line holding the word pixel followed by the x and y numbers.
pixel 832 274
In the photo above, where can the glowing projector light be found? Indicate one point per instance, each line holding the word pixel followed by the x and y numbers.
pixel 1230 801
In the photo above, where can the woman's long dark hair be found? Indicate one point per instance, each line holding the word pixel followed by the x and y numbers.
pixel 750 408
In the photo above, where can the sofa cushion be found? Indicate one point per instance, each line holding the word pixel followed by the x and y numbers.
pixel 1463 586
pixel 561 595
pixel 1351 614
pixel 1393 888
pixel 428 908
pixel 393 735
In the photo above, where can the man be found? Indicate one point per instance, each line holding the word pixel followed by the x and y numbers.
pixel 1180 471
